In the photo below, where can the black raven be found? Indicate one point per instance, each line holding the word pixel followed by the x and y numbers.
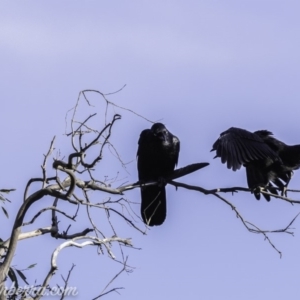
pixel 157 154
pixel 268 161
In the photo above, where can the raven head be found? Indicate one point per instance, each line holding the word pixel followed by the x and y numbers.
pixel 161 133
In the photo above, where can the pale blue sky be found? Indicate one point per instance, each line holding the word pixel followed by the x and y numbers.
pixel 200 67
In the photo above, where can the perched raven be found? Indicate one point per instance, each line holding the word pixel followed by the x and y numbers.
pixel 157 153
pixel 268 161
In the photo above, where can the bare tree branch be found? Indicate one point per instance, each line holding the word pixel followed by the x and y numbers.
pixel 66 282
pixel 90 144
pixel 103 293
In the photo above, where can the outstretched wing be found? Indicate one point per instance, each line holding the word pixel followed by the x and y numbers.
pixel 238 147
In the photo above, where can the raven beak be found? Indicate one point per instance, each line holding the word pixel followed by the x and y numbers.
pixel 163 136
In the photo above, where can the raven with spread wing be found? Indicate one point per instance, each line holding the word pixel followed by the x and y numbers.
pixel 268 161
pixel 157 154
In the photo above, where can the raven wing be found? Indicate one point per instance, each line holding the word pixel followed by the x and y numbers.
pixel 237 147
